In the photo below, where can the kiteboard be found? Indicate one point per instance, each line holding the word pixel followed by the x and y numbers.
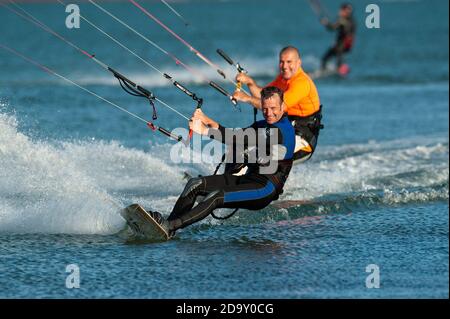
pixel 143 225
pixel 342 71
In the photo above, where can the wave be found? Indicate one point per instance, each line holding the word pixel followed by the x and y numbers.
pixel 260 68
pixel 377 165
pixel 77 187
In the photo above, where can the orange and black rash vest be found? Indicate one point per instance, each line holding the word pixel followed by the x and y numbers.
pixel 300 94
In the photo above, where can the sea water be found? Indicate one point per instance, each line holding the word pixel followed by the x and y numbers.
pixel 367 217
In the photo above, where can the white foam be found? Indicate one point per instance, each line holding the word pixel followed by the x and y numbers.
pixel 266 67
pixel 43 190
pixel 258 67
pixel 372 166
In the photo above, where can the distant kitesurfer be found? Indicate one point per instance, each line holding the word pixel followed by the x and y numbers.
pixel 346 28
pixel 266 174
pixel 301 98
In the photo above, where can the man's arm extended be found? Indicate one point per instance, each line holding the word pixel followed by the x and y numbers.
pixel 242 137
pixel 203 125
pixel 330 25
pixel 255 90
pixel 242 97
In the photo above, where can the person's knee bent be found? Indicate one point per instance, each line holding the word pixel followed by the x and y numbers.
pixel 193 187
pixel 212 201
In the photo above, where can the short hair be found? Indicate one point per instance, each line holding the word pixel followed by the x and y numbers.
pixel 290 48
pixel 270 91
pixel 346 5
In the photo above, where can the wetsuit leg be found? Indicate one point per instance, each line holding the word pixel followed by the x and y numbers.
pixel 305 143
pixel 222 191
pixel 306 149
pixel 193 188
pixel 328 55
pixel 340 50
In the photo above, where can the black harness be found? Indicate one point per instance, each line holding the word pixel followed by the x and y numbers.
pixel 312 122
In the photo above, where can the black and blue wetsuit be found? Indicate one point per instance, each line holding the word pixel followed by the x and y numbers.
pixel 346 29
pixel 262 184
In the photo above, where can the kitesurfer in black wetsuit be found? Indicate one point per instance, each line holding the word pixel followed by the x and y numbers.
pixel 269 145
pixel 346 28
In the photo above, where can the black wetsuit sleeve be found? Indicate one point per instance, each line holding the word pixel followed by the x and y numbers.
pixel 333 26
pixel 246 137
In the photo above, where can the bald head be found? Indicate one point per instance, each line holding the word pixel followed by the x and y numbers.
pixel 291 50
pixel 290 62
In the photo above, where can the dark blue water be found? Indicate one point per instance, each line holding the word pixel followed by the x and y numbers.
pixel 376 191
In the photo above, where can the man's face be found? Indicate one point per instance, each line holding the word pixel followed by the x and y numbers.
pixel 273 109
pixel 289 64
pixel 345 12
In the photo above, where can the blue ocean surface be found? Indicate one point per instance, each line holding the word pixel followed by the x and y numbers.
pixel 375 194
